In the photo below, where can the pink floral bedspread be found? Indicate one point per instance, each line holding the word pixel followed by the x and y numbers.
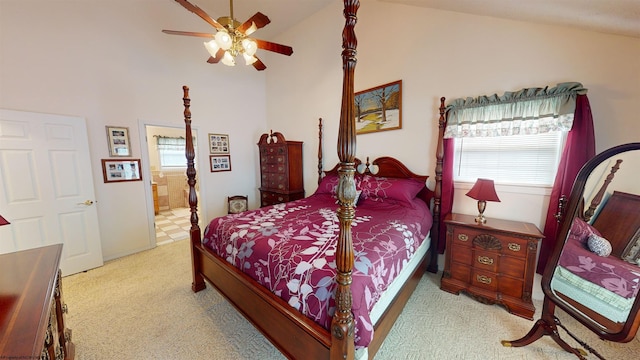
pixel 611 273
pixel 290 249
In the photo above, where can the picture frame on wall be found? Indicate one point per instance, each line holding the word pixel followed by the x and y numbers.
pixel 219 144
pixel 220 163
pixel 379 108
pixel 121 170
pixel 118 139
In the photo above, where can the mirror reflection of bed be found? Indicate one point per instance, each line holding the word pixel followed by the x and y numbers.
pixel 594 275
pixel 598 272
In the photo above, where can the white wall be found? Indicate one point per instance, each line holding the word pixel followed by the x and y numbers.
pixel 109 62
pixel 439 53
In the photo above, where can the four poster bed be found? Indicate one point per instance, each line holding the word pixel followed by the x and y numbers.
pixel 316 281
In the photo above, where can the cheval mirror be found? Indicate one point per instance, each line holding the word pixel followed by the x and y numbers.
pixel 594 273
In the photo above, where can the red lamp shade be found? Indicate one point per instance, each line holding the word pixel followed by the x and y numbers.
pixel 483 190
pixel 3 221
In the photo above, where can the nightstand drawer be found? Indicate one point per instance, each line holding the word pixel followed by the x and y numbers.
pixel 514 246
pixel 511 287
pixel 462 254
pixel 512 266
pixel 460 272
pixel 484 279
pixel 486 260
pixel 464 236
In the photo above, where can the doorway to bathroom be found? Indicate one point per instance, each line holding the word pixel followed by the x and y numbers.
pixel 167 167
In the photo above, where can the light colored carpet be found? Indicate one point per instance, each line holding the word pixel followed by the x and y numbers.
pixel 142 307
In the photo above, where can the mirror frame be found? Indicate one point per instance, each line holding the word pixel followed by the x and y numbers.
pixel 630 327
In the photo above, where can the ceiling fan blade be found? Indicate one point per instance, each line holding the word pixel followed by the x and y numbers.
pixel 196 10
pixel 259 65
pixel 189 33
pixel 217 58
pixel 270 46
pixel 260 19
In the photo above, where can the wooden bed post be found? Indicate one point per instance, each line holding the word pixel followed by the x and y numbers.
pixel 194 233
pixel 342 324
pixel 435 228
pixel 320 159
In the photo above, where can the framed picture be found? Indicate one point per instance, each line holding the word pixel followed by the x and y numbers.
pixel 220 162
pixel 218 143
pixel 121 170
pixel 118 139
pixel 379 108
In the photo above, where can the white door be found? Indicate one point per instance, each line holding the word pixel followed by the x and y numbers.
pixel 46 188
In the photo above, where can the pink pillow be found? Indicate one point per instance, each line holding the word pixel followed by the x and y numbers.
pixel 383 188
pixel 328 185
pixel 580 230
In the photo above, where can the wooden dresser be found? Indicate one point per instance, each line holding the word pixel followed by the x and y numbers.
pixel 280 169
pixel 32 312
pixel 494 262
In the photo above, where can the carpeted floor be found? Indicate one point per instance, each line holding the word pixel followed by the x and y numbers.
pixel 142 307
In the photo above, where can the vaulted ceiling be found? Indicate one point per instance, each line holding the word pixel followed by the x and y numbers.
pixel 609 16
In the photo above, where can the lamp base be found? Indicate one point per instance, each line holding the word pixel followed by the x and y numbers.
pixel 480 219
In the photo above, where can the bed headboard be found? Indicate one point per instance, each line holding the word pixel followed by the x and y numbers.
pixel 390 167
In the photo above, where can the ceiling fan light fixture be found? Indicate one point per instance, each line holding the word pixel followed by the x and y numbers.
pixel 224 40
pixel 249 59
pixel 231 37
pixel 212 47
pixel 249 46
pixel 228 60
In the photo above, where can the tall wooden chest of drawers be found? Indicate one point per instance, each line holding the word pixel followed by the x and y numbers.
pixel 32 312
pixel 492 262
pixel 280 169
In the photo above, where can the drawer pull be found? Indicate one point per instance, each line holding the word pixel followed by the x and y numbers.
pixel 483 279
pixel 485 260
pixel 463 237
pixel 514 247
pixel 65 310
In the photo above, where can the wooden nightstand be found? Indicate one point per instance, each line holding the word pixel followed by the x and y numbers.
pixel 494 263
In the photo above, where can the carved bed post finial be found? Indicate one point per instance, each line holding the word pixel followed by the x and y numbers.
pixel 320 160
pixel 342 323
pixel 194 232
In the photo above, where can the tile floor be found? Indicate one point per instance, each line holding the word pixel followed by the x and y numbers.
pixel 172 225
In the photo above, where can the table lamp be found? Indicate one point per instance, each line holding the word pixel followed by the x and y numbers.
pixel 483 190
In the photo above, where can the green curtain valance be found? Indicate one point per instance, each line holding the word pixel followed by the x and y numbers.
pixel 527 111
pixel 170 141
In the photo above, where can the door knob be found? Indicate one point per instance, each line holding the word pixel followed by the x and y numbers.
pixel 88 203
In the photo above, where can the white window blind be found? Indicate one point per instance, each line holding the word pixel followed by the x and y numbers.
pixel 171 152
pixel 517 159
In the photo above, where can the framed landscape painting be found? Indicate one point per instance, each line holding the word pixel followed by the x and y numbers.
pixel 379 108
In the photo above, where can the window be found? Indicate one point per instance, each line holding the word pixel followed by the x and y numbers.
pixel 171 152
pixel 516 160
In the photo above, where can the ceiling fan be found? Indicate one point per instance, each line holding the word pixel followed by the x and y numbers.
pixel 231 38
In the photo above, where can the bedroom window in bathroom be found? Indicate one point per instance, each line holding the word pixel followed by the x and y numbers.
pixel 171 152
pixel 529 160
